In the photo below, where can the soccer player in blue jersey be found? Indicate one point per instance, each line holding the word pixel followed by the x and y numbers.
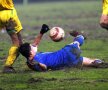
pixel 68 56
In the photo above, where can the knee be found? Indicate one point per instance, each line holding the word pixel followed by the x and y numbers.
pixel 104 25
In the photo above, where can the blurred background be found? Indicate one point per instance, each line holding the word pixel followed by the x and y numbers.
pixel 81 15
pixel 34 1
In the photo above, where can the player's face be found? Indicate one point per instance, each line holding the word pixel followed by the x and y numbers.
pixel 33 49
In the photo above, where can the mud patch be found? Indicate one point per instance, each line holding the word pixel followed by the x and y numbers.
pixel 2 58
pixel 35 80
pixel 70 79
pixel 1 89
pixel 102 80
pixel 1 49
pixel 38 80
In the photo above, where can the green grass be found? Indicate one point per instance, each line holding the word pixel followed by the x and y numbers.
pixel 82 16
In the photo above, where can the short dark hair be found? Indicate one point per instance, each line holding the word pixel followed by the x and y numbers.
pixel 24 49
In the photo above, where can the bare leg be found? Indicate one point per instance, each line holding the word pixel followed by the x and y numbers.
pixel 97 63
pixel 88 61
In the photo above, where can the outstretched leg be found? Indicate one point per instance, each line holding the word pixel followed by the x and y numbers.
pixel 97 63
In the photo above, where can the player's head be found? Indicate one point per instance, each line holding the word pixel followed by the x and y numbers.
pixel 79 39
pixel 25 49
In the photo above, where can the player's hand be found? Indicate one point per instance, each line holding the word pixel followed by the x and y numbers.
pixel 44 28
pixel 30 65
pixel 31 62
pixel 10 25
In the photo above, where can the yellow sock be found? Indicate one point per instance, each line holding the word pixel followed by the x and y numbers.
pixel 13 53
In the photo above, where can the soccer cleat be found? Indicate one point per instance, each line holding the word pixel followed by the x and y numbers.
pixel 9 69
pixel 100 64
pixel 98 61
pixel 76 33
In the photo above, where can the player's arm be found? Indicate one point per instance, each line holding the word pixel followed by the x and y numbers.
pixel 37 66
pixel 37 40
pixel 43 30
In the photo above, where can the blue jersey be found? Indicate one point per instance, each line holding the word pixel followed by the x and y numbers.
pixel 69 56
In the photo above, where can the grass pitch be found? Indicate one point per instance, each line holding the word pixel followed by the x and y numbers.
pixel 82 16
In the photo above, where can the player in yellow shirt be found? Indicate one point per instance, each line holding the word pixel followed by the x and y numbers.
pixel 104 17
pixel 10 21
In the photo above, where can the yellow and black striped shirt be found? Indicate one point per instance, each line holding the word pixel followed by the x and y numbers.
pixel 6 4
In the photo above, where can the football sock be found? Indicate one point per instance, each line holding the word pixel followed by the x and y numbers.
pixel 13 53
